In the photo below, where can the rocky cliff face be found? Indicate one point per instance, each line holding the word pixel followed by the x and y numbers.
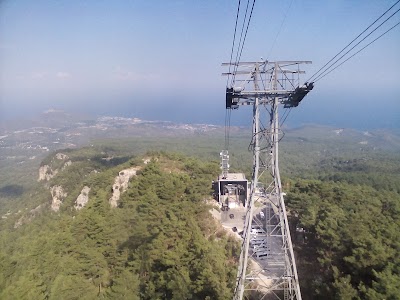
pixel 61 156
pixel 83 198
pixel 121 184
pixel 67 163
pixel 58 195
pixel 46 172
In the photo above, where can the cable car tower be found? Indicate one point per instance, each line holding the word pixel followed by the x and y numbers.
pixel 267 267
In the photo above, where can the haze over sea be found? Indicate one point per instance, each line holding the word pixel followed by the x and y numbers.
pixel 339 113
pixel 162 59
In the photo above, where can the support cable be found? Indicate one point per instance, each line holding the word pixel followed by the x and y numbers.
pixel 245 35
pixel 247 28
pixel 285 115
pixel 287 78
pixel 314 75
pixel 279 31
pixel 240 42
pixel 233 42
pixel 359 51
pixel 227 127
pixel 328 69
pixel 228 111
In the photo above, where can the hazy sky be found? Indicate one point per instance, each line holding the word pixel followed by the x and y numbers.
pixel 162 59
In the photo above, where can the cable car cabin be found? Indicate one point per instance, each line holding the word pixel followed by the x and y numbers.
pixel 299 93
pixel 232 190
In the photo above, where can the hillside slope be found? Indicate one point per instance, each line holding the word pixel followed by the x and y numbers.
pixel 342 188
pixel 160 242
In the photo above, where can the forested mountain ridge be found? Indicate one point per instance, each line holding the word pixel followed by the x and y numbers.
pixel 342 191
pixel 159 243
pixel 347 239
pixel 343 197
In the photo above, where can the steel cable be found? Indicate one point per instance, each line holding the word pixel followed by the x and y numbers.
pixel 315 74
pixel 360 50
pixel 336 61
pixel 233 42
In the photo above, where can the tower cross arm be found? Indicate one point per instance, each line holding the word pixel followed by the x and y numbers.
pixel 260 93
pixel 264 72
pixel 282 62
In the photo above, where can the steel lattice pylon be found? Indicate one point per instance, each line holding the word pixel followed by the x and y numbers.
pixel 267 267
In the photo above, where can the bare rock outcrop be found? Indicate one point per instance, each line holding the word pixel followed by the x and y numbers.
pixel 121 184
pixel 67 163
pixel 46 173
pixel 5 216
pixel 83 198
pixel 61 156
pixel 58 195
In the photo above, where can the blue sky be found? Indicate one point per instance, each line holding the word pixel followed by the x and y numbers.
pixel 162 59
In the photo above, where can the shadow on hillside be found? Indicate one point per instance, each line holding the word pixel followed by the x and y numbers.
pixel 134 241
pixel 111 162
pixel 11 190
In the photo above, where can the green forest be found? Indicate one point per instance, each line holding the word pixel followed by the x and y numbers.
pixel 161 242
pixel 351 245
